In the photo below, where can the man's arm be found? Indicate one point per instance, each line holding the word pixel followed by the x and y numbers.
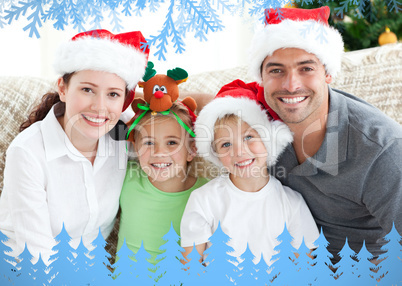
pixel 383 187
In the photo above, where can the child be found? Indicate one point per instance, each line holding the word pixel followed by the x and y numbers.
pixel 250 205
pixel 158 185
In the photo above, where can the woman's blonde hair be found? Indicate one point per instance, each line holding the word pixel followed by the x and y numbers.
pixel 198 167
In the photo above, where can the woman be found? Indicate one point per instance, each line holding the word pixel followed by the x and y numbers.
pixel 64 168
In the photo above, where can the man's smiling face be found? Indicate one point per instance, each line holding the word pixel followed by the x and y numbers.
pixel 295 85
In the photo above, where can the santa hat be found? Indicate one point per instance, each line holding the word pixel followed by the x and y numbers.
pixel 305 29
pixel 274 134
pixel 101 50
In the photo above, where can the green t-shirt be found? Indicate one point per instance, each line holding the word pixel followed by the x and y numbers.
pixel 147 212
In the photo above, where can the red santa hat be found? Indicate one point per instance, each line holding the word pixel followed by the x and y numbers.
pixel 100 50
pixel 275 134
pixel 305 29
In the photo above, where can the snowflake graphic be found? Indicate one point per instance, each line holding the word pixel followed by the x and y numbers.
pixel 183 18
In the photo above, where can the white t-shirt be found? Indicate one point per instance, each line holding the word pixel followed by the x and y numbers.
pixel 254 217
pixel 47 181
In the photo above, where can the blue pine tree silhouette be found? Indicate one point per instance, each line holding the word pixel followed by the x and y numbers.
pixel 41 277
pixel 391 264
pixel 220 268
pixel 170 269
pixel 123 267
pixel 321 272
pixel 263 270
pixel 24 268
pixel 346 271
pixel 247 274
pixel 7 270
pixel 81 264
pixel 98 272
pixel 61 267
pixel 364 267
pixel 141 269
pixel 284 268
pixel 194 269
pixel 303 265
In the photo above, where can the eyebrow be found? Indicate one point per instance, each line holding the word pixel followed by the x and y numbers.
pixel 268 65
pixel 90 83
pixel 168 137
pixel 174 137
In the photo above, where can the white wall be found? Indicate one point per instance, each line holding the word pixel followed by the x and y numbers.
pixel 21 55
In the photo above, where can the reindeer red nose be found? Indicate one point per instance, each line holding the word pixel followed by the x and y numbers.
pixel 158 94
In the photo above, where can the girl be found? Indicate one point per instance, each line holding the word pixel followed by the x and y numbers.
pixel 159 183
pixel 64 167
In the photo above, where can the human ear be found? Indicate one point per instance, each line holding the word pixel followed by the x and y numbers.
pixel 61 89
pixel 328 78
pixel 192 151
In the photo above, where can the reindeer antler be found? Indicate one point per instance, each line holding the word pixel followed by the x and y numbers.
pixel 149 71
pixel 178 74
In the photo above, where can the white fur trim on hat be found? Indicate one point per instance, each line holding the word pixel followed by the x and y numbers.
pixel 274 134
pixel 314 37
pixel 101 54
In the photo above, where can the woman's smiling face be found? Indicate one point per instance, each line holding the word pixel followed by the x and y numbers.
pixel 94 102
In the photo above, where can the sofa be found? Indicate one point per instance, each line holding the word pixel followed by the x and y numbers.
pixel 374 75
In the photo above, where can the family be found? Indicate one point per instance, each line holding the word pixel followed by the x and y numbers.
pixel 290 149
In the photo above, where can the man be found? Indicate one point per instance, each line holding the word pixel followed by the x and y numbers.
pixel 346 157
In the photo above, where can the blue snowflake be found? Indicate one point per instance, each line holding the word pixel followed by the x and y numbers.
pixel 183 17
pixel 168 31
pixel 258 9
pixel 361 8
pixel 154 5
pixel 77 16
pixel 139 7
pixel 57 11
pixel 394 5
pixel 344 7
pixel 322 34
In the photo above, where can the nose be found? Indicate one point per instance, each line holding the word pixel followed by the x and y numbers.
pixel 99 103
pixel 159 150
pixel 292 81
pixel 158 94
pixel 240 149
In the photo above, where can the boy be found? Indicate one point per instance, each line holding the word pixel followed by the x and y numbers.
pixel 251 206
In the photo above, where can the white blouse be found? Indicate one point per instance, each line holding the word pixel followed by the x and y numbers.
pixel 48 182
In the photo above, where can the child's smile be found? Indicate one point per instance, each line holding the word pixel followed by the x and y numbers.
pixel 163 150
pixel 245 163
pixel 161 165
pixel 241 151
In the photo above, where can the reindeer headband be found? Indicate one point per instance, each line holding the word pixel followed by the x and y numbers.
pixel 160 91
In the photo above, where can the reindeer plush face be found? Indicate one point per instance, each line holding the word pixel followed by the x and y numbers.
pixel 160 92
